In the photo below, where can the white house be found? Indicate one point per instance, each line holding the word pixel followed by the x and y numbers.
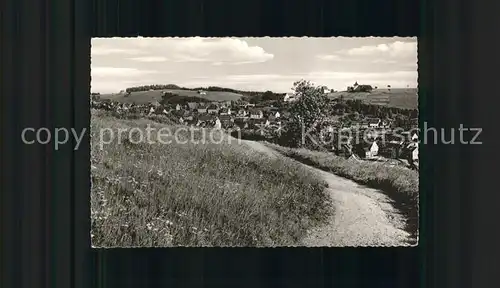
pixel 414 153
pixel 414 156
pixel 277 114
pixel 373 150
pixel 414 137
pixel 289 97
pixel 218 124
pixel 374 123
pixel 177 107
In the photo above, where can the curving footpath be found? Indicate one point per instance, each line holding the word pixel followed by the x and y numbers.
pixel 361 216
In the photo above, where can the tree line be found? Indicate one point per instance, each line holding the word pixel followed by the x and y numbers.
pixel 254 96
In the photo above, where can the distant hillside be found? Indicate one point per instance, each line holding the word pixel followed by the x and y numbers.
pixel 405 98
pixel 144 97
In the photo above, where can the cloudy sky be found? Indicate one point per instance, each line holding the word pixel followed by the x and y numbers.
pixel 256 64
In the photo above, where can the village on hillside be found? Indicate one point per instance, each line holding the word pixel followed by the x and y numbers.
pixel 264 120
pixel 254 142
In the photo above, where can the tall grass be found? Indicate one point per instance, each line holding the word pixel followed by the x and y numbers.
pixel 197 194
pixel 399 183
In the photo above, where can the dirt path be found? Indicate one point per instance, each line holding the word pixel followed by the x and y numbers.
pixel 362 216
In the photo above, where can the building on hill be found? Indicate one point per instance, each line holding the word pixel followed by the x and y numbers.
pixel 360 88
pixel 241 125
pixel 226 120
pixel 256 114
pixel 217 124
pixel 385 124
pixel 188 117
pixel 414 137
pixel 212 109
pixel 225 111
pixel 242 113
pixel 259 123
pixel 202 109
pixel 226 104
pixel 372 150
pixel 192 105
pixel 374 122
pixel 289 97
pixel 273 116
pixel 414 122
pixel 205 120
pixel 178 107
pixel 206 117
pixel 363 125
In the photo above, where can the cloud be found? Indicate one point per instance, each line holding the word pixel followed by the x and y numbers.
pixel 329 57
pixel 394 53
pixel 117 72
pixel 256 77
pixel 395 49
pixel 149 59
pixel 217 51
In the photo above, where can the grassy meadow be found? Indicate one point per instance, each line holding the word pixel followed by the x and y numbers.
pixel 196 194
pixel 399 183
pixel 144 97
pixel 397 97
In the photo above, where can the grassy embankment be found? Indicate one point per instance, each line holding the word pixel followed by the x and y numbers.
pixel 196 194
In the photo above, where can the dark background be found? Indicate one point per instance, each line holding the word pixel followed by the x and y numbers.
pixel 45 77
